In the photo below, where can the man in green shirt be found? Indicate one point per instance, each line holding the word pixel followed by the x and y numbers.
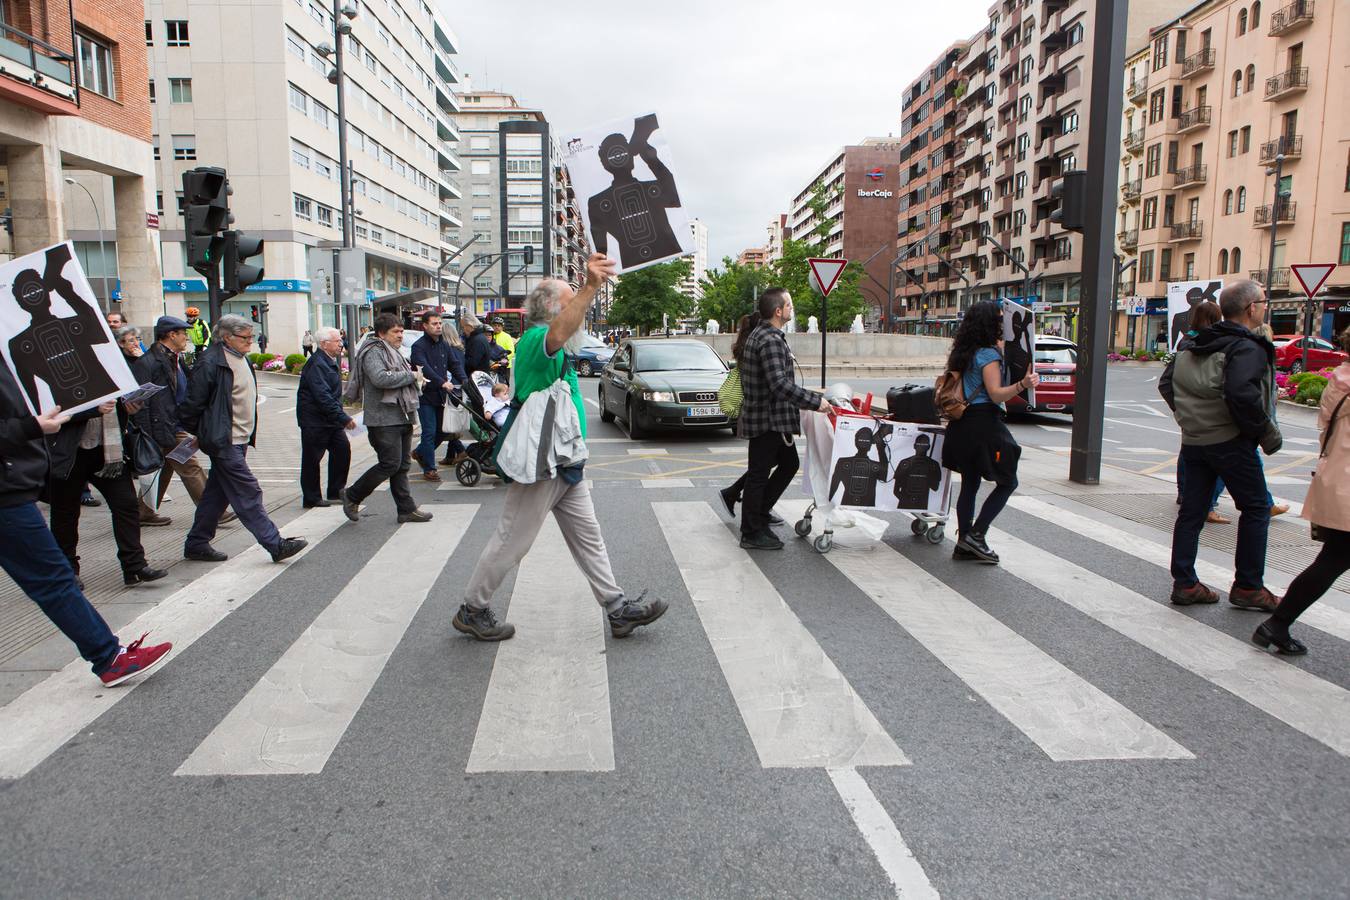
pixel 554 316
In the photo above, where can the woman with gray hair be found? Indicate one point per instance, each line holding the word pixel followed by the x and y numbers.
pixel 477 343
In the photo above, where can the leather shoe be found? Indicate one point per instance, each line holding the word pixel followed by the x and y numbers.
pixel 317 504
pixel 288 548
pixel 205 554
pixel 155 521
pixel 416 515
pixel 1267 634
pixel 350 507
pixel 761 541
pixel 1279 509
pixel 1214 517
pixel 144 575
pixel 1253 598
pixel 1196 593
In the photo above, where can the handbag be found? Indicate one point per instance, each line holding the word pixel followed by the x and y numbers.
pixel 729 397
pixel 455 418
pixel 1317 532
pixel 142 455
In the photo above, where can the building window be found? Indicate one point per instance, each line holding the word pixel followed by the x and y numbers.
pixel 155 145
pixel 96 65
pixel 299 100
pixel 1256 15
pixel 480 167
pixel 180 90
pixel 1235 259
pixel 1146 266
pixel 1232 143
pixel 326 216
pixel 177 33
pixel 1157 106
pixel 1242 199
pixel 1150 214
pixel 1246 139
pixel 1345 243
pixel 1075 34
pixel 1223 262
pixel 300 154
pixel 1228 202
pixel 149 34
pixel 1068 123
pixel 1165 266
pixel 1153 161
pixel 151 86
pixel 1160 52
pixel 295 45
pixel 184 146
pixel 1237 83
pixel 1173 149
pixel 480 142
pixel 481 213
pixel 159 203
pixel 1188 265
pixel 304 208
pixel 1242 23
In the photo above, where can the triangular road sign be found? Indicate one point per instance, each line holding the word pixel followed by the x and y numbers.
pixel 825 273
pixel 1312 276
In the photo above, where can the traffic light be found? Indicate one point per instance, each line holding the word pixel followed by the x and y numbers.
pixel 1071 194
pixel 253 312
pixel 237 274
pixel 529 254
pixel 9 221
pixel 206 211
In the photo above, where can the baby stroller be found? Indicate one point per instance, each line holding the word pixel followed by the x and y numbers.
pixel 481 427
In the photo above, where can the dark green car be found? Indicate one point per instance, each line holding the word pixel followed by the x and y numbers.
pixel 663 384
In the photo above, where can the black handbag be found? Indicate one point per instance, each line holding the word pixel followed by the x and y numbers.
pixel 142 454
pixel 1317 533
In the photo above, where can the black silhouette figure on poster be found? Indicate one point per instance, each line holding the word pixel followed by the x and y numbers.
pixel 1017 355
pixel 916 476
pixel 860 474
pixel 58 351
pixel 635 211
pixel 1181 323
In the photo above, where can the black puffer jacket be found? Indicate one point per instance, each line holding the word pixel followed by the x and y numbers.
pixel 23 453
pixel 159 416
pixel 478 351
pixel 207 412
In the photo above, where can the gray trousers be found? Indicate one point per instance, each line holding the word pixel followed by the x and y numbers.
pixel 526 507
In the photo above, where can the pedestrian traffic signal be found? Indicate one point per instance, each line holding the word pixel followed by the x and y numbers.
pixel 253 312
pixel 529 254
pixel 9 221
pixel 1071 195
pixel 238 275
pixel 206 211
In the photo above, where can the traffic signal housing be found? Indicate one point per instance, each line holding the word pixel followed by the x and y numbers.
pixel 529 254
pixel 206 212
pixel 237 274
pixel 1071 196
pixel 253 312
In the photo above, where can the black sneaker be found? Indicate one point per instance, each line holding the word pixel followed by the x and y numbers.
pixel 288 548
pixel 481 624
pixel 634 614
pixel 140 577
pixel 763 540
pixel 349 506
pixel 90 500
pixel 973 543
pixel 776 519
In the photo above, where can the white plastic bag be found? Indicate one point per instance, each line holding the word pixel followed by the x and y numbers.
pixel 454 419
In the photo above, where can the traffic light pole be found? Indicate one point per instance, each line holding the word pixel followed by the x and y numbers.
pixel 1103 151
pixel 345 178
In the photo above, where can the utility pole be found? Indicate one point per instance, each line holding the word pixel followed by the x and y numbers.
pixel 1115 295
pixel 440 291
pixel 1278 172
pixel 343 13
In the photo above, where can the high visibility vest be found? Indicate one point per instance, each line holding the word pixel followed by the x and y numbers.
pixel 199 333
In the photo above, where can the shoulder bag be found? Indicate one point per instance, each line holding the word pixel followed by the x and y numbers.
pixel 729 397
pixel 1317 534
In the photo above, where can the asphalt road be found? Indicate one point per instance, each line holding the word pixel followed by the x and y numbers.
pixel 797 725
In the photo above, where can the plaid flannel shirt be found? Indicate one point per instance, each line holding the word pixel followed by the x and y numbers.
pixel 771 394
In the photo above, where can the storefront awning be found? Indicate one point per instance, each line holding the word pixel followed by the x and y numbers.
pixel 404 299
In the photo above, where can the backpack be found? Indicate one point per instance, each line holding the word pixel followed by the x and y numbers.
pixel 949 395
pixel 729 395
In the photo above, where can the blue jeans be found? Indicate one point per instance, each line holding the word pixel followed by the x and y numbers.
pixel 231 483
pixel 29 555
pixel 1237 464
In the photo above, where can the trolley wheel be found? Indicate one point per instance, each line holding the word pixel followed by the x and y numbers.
pixel 824 543
pixel 803 527
pixel 468 472
pixel 935 534
pixel 918 527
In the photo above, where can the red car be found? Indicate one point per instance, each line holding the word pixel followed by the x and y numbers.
pixel 1056 362
pixel 1289 353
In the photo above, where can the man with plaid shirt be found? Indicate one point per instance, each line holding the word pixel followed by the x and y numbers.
pixel 769 416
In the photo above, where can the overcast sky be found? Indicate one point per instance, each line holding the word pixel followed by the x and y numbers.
pixel 754 95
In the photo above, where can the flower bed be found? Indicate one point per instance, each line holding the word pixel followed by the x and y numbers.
pixel 1305 388
pixel 1140 356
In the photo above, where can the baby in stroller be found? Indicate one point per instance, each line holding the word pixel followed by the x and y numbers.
pixel 488 403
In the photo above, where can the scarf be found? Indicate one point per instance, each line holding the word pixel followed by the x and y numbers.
pixel 405 397
pixel 105 432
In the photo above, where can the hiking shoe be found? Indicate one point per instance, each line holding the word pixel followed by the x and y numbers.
pixel 142 576
pixel 288 548
pixel 1253 598
pixel 762 540
pixel 155 521
pixel 634 614
pixel 133 660
pixel 204 554
pixel 349 506
pixel 1196 593
pixel 416 515
pixel 973 543
pixel 481 624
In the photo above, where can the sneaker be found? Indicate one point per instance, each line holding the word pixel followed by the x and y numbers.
pixel 350 506
pixel 155 521
pixel 90 500
pixel 1196 593
pixel 481 624
pixel 973 543
pixel 141 577
pixel 1279 509
pixel 204 554
pixel 1253 598
pixel 288 548
pixel 728 501
pixel 416 515
pixel 763 540
pixel 634 614
pixel 133 660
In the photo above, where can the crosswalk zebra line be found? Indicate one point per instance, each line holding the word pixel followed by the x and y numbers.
pixel 1303 701
pixel 547 704
pixel 877 828
pixel 1323 616
pixel 1062 713
pixel 797 706
pixel 41 720
pixel 293 718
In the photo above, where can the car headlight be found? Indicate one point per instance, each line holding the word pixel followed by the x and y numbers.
pixel 658 396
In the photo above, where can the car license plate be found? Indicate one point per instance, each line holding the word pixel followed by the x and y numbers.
pixel 1056 379
pixel 704 412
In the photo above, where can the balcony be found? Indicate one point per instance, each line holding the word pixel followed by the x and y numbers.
pixel 1131 190
pixel 1281 213
pixel 1191 176
pixel 1187 231
pixel 1197 62
pixel 1280 278
pixel 1128 240
pixel 1138 90
pixel 35 74
pixel 1290 145
pixel 1193 119
pixel 1300 12
pixel 1134 142
pixel 1287 83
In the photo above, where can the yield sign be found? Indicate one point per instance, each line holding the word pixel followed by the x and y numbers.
pixel 1313 276
pixel 825 273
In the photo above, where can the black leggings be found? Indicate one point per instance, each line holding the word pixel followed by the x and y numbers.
pixel 993 504
pixel 1332 562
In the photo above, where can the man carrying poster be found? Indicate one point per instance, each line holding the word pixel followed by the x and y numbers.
pixel 1019 342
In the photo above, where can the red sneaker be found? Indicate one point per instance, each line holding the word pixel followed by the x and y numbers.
pixel 134 660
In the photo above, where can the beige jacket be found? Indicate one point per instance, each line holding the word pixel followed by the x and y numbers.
pixel 1328 502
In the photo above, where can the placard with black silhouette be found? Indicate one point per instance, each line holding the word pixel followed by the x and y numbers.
pixel 889 466
pixel 53 336
pixel 629 197
pixel 1019 343
pixel 1182 297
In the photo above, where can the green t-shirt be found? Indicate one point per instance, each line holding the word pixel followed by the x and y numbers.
pixel 534 370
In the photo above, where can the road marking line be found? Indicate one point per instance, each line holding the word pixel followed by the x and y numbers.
pixel 1305 702
pixel 40 721
pixel 1303 460
pixel 1059 711
pixel 798 708
pixel 290 722
pixel 649 451
pixel 1326 618
pixel 1158 467
pixel 485 482
pixel 1150 450
pixel 1172 431
pixel 592 403
pixel 547 703
pixel 667 483
pixel 891 851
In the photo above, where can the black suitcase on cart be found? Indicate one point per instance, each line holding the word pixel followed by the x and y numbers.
pixel 912 403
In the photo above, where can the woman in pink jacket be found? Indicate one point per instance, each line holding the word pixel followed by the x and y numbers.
pixel 1328 508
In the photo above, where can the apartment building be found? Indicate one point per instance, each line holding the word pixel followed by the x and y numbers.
pixel 777 229
pixel 862 182
pixel 74 104
pixel 692 285
pixel 754 257
pixel 1218 102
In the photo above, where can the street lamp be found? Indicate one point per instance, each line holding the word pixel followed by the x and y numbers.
pixel 343 13
pixel 1278 172
pixel 102 249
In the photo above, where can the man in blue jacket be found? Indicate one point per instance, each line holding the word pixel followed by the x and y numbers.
pixel 443 369
pixel 318 410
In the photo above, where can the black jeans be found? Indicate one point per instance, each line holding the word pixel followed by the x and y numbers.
pixel 120 496
pixel 773 460
pixel 1332 562
pixel 392 445
pixel 314 443
pixel 993 504
pixel 1237 464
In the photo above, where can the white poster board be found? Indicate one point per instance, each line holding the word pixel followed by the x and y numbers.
pixel 53 336
pixel 629 197
pixel 1182 297
pixel 885 465
pixel 1019 345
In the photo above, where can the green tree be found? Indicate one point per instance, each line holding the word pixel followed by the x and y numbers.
pixel 791 271
pixel 729 293
pixel 644 296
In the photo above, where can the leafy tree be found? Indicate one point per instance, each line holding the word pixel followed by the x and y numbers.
pixel 644 296
pixel 791 271
pixel 729 293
